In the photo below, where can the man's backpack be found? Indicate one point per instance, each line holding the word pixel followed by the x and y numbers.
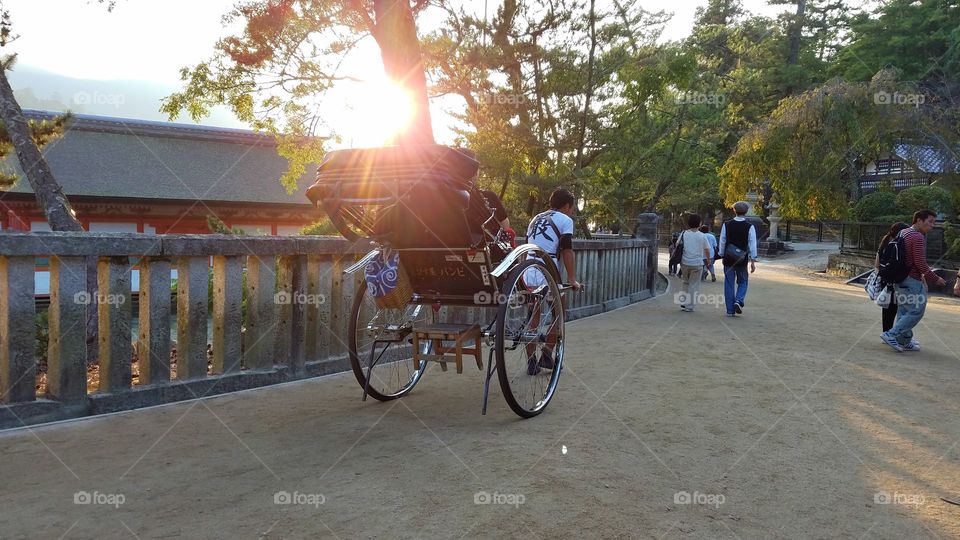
pixel 893 261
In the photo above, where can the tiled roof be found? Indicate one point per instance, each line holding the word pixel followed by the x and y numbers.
pixel 927 158
pixel 117 157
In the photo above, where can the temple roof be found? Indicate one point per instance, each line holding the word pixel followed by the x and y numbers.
pixel 117 157
pixel 927 158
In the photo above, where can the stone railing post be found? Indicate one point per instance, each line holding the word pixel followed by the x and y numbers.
pixel 67 343
pixel 113 299
pixel 17 312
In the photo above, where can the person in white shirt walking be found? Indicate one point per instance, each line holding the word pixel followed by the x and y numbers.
pixel 696 255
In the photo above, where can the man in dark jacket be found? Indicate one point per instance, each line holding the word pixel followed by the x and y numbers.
pixel 741 233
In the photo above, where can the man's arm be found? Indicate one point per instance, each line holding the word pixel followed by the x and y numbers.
pixel 917 251
pixel 570 265
pixel 956 286
pixel 723 239
pixel 752 235
pixel 706 249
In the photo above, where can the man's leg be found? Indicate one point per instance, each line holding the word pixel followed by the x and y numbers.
pixel 684 296
pixel 729 277
pixel 743 278
pixel 694 289
pixel 912 302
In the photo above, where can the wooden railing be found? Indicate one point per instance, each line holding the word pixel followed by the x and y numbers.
pixel 278 309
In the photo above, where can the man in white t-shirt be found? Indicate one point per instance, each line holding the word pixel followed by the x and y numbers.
pixel 553 232
pixel 696 255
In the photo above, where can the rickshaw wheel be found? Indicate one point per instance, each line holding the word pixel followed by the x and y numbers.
pixel 390 331
pixel 530 320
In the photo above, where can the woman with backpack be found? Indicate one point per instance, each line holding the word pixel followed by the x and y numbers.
pixel 890 312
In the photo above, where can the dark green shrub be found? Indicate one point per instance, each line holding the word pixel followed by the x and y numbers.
pixel 925 197
pixel 875 205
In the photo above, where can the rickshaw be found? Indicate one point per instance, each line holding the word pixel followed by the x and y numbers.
pixel 420 207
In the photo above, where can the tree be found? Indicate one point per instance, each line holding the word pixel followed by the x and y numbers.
pixel 274 73
pixel 24 137
pixel 811 148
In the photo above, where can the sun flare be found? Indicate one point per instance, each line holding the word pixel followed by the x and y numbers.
pixel 379 110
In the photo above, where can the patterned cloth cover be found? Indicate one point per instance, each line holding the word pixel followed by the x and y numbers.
pixel 382 273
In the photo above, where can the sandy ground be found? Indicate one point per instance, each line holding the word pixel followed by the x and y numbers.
pixel 793 421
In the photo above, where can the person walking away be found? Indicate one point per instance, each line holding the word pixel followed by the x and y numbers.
pixel 889 314
pixel 553 232
pixel 740 233
pixel 712 242
pixel 673 245
pixel 696 255
pixel 912 291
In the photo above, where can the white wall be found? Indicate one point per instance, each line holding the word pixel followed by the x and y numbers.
pixel 254 230
pixel 288 230
pixel 113 227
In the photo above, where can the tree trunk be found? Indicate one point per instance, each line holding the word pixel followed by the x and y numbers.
pixel 49 195
pixel 796 33
pixel 396 34
pixel 582 140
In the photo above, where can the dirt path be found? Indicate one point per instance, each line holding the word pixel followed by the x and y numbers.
pixel 792 421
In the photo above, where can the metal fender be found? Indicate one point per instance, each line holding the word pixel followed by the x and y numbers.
pixel 519 254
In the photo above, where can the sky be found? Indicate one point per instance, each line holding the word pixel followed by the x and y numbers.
pixel 150 41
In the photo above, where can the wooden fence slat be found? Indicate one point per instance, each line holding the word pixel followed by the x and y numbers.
pixel 114 311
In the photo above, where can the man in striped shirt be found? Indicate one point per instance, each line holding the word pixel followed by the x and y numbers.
pixel 912 292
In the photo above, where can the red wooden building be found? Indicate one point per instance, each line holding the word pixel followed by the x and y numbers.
pixel 126 175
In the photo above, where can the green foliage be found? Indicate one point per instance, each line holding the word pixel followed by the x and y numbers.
pixel 217 226
pixel 41 323
pixel 925 197
pixel 952 236
pixel 918 37
pixel 44 132
pixel 874 206
pixel 320 228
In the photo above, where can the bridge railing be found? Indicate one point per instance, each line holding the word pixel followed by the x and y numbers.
pixel 278 310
